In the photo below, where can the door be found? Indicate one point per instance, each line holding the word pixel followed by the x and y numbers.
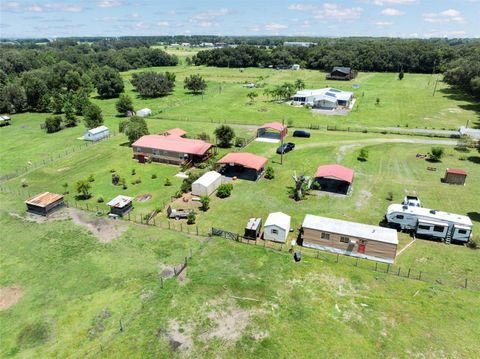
pixel 361 246
pixel 141 158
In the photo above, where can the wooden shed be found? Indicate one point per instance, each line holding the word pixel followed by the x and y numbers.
pixel 350 238
pixel 120 205
pixel 455 176
pixel 44 203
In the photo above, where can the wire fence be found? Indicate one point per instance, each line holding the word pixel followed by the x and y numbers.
pixel 360 263
pixel 31 166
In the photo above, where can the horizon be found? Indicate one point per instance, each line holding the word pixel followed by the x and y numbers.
pixel 352 18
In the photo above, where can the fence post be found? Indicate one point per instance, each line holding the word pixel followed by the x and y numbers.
pixel 420 275
pixel 466 283
pixel 408 275
pixel 181 227
pixel 376 265
pixel 399 268
pixel 356 262
pixel 337 257
pixel 190 252
pixel 388 268
pixel 197 229
pixel 161 282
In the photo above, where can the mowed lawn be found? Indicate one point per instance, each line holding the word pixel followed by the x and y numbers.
pixel 83 298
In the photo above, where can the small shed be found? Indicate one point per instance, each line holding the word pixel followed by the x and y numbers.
pixel 350 238
pixel 341 73
pixel 295 67
pixel 144 112
pixel 5 120
pixel 334 178
pixel 44 203
pixel 455 176
pixel 242 165
pixel 120 205
pixel 277 227
pixel 207 184
pixel 279 130
pixel 97 133
pixel 253 227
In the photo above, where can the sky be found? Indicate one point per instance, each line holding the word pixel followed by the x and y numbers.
pixel 395 18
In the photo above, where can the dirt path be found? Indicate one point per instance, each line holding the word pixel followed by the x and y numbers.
pixel 106 230
pixel 10 296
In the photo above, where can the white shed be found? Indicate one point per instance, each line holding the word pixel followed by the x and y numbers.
pixel 144 112
pixel 207 184
pixel 277 227
pixel 295 67
pixel 97 133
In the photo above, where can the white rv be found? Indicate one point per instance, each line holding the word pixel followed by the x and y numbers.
pixel 430 222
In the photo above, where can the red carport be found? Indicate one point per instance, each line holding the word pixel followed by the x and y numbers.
pixel 334 178
pixel 272 126
pixel 242 165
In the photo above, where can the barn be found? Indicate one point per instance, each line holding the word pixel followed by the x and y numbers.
pixel 334 178
pixel 277 227
pixel 272 130
pixel 243 165
pixel 341 73
pixel 171 149
pixel 350 238
pixel 207 184
pixel 97 133
pixel 120 205
pixel 44 203
pixel 455 176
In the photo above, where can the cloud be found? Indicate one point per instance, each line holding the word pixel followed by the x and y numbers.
pixel 10 6
pixel 450 34
pixel 274 27
pixel 13 6
pixel 397 2
pixel 445 16
pixel 382 23
pixel 392 12
pixel 329 11
pixel 163 23
pixel 109 3
pixel 208 18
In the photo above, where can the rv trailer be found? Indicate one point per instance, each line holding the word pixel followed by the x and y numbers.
pixel 430 223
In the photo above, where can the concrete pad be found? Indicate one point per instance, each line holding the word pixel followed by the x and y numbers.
pixel 269 140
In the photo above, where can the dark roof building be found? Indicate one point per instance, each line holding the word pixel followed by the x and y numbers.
pixel 341 73
pixel 44 203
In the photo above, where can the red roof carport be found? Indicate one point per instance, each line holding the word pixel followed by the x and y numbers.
pixel 244 159
pixel 276 126
pixel 335 171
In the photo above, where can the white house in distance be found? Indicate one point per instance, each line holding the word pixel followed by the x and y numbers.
pixel 276 227
pixel 144 112
pixel 325 99
pixel 207 184
pixel 97 133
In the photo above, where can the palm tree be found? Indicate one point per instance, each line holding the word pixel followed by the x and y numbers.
pixel 83 188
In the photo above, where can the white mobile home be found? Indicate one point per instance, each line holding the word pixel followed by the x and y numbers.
pixel 327 98
pixel 144 112
pixel 97 133
pixel 430 223
pixel 207 184
pixel 277 227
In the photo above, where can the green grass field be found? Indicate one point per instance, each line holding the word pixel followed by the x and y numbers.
pixel 83 296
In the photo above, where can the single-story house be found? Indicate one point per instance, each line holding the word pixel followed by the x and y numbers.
pixel 171 149
pixel 5 120
pixel 120 205
pixel 299 44
pixel 341 73
pixel 97 133
pixel 327 99
pixel 243 165
pixel 44 203
pixel 175 132
pixel 350 238
pixel 279 130
pixel 455 176
pixel 144 112
pixel 207 184
pixel 253 227
pixel 276 227
pixel 334 178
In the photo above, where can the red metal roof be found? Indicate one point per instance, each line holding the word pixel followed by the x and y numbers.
pixel 336 171
pixel 244 159
pixel 456 171
pixel 277 126
pixel 176 132
pixel 173 144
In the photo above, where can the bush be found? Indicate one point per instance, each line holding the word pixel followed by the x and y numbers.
pixel 168 182
pixel 437 154
pixel 91 178
pixel 269 173
pixel 154 176
pixel 224 190
pixel 224 135
pixel 53 124
pixel 100 199
pixel 191 218
pixel 239 141
pixel 138 180
pixel 134 172
pixel 205 201
pixel 363 155
pixel 24 183
pixel 474 243
pixel 187 182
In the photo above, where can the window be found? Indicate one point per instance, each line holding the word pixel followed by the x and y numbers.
pixel 325 235
pixel 425 228
pixel 344 239
pixel 462 231
pixel 274 231
pixel 399 216
pixel 438 229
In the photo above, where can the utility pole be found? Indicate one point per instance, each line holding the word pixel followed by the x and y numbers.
pixel 435 87
pixel 281 139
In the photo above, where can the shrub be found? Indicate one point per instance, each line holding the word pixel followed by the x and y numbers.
pixel 138 180
pixel 204 136
pixel 224 190
pixel 53 124
pixel 363 155
pixel 100 199
pixel 91 178
pixel 437 154
pixel 474 243
pixel 239 141
pixel 191 218
pixel 270 173
pixel 112 170
pixel 168 182
pixel 24 183
pixel 154 176
pixel 134 172
pixel 187 182
pixel 389 196
pixel 205 201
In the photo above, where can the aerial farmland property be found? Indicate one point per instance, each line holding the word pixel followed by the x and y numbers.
pixel 172 197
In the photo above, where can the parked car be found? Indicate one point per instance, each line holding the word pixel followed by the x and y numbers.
pixel 301 133
pixel 286 147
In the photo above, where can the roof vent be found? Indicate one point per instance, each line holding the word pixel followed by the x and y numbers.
pixel 405 207
pixel 433 211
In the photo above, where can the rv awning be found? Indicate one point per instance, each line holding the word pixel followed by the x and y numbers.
pixel 433 223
